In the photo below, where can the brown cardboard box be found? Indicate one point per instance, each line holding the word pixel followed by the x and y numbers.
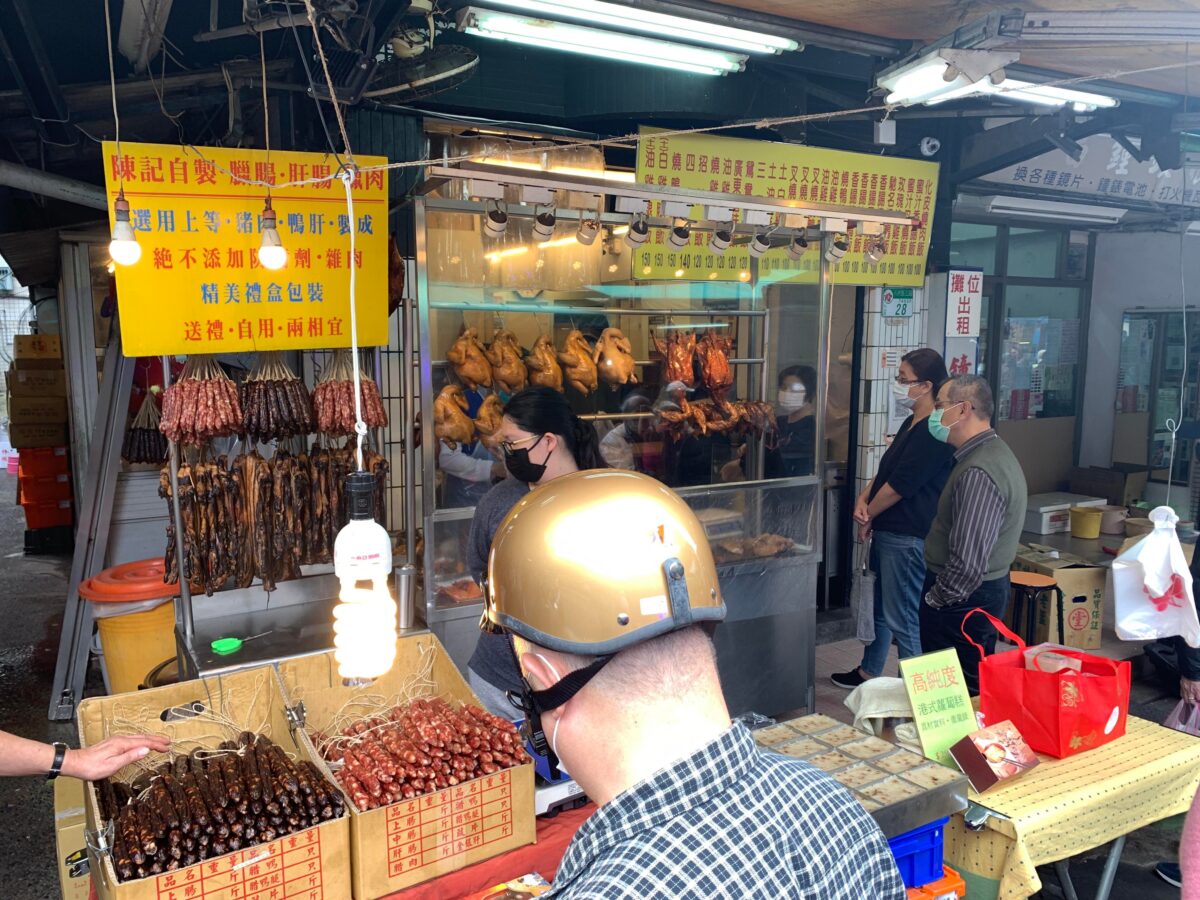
pixel 310 863
pixel 70 845
pixel 24 436
pixel 37 410
pixel 36 383
pixel 37 346
pixel 1082 585
pixel 1120 485
pixel 498 809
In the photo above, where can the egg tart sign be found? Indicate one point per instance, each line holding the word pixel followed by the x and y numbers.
pixel 199 287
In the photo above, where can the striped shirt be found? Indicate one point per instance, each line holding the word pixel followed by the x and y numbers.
pixel 978 511
pixel 731 820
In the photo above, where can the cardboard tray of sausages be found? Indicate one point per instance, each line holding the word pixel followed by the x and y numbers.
pixel 304 865
pixel 411 841
pixel 901 790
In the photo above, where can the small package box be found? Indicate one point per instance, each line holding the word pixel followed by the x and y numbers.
pixel 314 862
pixel 411 841
pixel 1120 485
pixel 36 382
pixel 1051 513
pixel 34 352
pixel 1082 585
pixel 36 434
pixel 70 845
pixel 992 755
pixel 37 410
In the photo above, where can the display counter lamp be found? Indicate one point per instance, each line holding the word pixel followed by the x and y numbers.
pixel 680 234
pixel 722 238
pixel 838 249
pixel 760 244
pixel 271 252
pixel 123 248
pixel 543 224
pixel 365 618
pixel 638 233
pixel 495 221
pixel 588 230
pixel 797 247
pixel 875 251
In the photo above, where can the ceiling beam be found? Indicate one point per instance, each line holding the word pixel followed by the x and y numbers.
pixel 997 148
pixel 22 47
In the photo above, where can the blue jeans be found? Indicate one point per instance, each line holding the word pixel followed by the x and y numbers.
pixel 898 561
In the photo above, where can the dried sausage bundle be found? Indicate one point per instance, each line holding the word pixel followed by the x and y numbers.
pixel 209 501
pixel 201 405
pixel 333 398
pixel 275 403
pixel 417 748
pixel 195 807
pixel 144 443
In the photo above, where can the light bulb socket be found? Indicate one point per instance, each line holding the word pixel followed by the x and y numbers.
pixel 638 233
pixel 121 208
pixel 679 236
pixel 543 224
pixel 759 245
pixel 360 495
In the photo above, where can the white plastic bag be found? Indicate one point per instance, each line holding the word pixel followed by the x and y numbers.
pixel 1152 586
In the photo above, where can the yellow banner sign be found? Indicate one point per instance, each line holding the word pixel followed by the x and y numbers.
pixel 789 172
pixel 199 286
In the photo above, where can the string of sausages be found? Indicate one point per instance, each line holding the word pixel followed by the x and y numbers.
pixel 333 398
pixel 143 442
pixel 203 404
pixel 275 403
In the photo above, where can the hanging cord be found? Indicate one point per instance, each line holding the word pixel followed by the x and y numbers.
pixel 360 427
pixel 262 55
pixel 112 81
pixel 337 109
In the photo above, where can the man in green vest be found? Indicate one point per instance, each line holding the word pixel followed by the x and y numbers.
pixel 974 536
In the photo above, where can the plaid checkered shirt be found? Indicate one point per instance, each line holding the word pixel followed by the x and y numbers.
pixel 731 821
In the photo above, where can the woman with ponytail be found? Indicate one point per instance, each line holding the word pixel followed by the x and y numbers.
pixel 541 439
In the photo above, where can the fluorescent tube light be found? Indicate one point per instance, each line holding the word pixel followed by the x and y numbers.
pixel 1054 211
pixel 595 12
pixel 942 73
pixel 598 42
pixel 1032 93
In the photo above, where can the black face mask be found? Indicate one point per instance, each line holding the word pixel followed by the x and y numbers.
pixel 522 468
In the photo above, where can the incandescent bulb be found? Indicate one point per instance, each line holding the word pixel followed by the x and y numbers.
pixel 123 248
pixel 271 252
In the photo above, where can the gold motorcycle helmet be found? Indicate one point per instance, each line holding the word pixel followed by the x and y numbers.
pixel 598 561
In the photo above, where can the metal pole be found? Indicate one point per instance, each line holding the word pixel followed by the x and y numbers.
pixel 184 609
pixel 37 182
pixel 408 314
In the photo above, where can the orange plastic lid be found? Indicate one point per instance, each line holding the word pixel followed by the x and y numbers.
pixel 141 580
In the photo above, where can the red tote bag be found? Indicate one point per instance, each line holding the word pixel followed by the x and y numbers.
pixel 1058 713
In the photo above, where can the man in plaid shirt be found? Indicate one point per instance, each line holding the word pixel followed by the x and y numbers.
pixel 607 584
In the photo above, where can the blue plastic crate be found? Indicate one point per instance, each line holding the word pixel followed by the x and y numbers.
pixel 919 853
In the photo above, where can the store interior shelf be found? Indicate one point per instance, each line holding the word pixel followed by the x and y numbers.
pixel 560 310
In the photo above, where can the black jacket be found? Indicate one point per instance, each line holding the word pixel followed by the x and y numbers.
pixel 1189 657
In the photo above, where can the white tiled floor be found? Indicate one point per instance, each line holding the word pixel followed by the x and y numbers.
pixel 843 656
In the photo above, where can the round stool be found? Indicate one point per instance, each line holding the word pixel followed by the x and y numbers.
pixel 1027 588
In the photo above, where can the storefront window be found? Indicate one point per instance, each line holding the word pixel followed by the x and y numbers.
pixel 973 246
pixel 1039 353
pixel 1033 253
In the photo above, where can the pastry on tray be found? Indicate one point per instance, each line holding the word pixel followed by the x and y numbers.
pixel 800 747
pixel 890 790
pixel 867 748
pixel 860 776
pixel 930 776
pixel 812 724
pixel 829 761
pixel 843 734
pixel 774 734
pixel 900 761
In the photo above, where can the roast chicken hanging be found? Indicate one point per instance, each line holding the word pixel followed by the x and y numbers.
pixel 451 422
pixel 508 370
pixel 614 358
pixel 543 366
pixel 487 420
pixel 579 368
pixel 469 360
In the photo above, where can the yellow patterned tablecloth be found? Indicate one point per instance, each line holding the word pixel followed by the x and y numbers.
pixel 1067 806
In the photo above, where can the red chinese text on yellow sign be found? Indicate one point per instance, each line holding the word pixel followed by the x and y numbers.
pixel 199 287
pixel 789 172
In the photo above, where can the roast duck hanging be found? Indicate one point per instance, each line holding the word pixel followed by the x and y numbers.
pixel 678 351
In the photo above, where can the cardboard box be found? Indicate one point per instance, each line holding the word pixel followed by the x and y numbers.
pixel 35 410
pixel 413 841
pixel 37 346
pixel 1120 486
pixel 1051 513
pixel 310 863
pixel 992 755
pixel 25 435
pixel 1083 587
pixel 70 821
pixel 36 383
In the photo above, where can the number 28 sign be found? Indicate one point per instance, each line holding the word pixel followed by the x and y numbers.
pixel 964 297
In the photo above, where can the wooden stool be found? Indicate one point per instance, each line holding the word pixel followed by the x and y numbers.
pixel 1027 588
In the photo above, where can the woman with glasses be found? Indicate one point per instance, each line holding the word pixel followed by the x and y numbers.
pixel 895 512
pixel 541 439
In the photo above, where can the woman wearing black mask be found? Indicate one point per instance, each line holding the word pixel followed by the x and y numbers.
pixel 541 439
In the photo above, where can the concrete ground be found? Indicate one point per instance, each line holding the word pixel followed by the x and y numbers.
pixel 32 592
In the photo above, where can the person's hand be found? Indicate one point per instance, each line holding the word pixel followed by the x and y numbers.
pixel 1189 690
pixel 864 532
pixel 111 755
pixel 861 516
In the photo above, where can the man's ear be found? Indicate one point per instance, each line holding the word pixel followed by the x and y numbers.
pixel 542 674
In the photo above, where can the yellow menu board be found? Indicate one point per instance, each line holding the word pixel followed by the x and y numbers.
pixel 768 169
pixel 199 287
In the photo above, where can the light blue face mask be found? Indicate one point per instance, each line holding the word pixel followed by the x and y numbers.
pixel 939 431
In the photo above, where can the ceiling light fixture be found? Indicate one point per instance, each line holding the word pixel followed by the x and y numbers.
pixel 543 224
pixel 595 12
pixel 1035 94
pixel 1052 210
pixel 123 248
pixel 495 220
pixel 875 252
pixel 680 234
pixel 797 247
pixel 271 252
pixel 598 42
pixel 722 238
pixel 931 75
pixel 759 244
pixel 588 231
pixel 838 249
pixel 638 233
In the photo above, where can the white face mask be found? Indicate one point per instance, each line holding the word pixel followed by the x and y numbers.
pixel 900 392
pixel 793 399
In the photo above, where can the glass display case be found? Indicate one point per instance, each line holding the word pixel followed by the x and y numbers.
pixel 747 467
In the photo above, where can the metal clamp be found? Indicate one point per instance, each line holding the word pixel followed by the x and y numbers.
pixel 295 716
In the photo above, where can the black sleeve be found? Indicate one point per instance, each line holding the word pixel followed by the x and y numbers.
pixel 922 459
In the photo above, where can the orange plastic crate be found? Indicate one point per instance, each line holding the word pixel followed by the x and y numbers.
pixel 949 885
pixel 44 488
pixel 47 515
pixel 44 461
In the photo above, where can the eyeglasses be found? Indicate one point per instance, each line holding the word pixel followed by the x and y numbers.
pixel 946 404
pixel 900 380
pixel 507 447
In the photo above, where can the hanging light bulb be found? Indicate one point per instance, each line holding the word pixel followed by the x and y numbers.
pixel 123 248
pixel 271 252
pixel 797 247
pixel 638 233
pixel 838 249
pixel 875 251
pixel 365 618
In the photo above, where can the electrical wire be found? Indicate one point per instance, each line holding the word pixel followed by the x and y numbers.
pixel 262 55
pixel 337 109
pixel 112 80
pixel 312 90
pixel 360 427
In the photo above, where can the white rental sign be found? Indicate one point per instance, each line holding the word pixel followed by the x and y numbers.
pixel 964 298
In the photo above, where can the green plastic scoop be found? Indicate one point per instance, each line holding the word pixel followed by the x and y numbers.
pixel 226 645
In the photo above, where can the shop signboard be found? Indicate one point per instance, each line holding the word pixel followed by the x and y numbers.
pixel 773 170
pixel 941 705
pixel 964 299
pixel 962 355
pixel 897 303
pixel 199 286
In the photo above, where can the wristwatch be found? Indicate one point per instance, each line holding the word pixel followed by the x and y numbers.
pixel 60 754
